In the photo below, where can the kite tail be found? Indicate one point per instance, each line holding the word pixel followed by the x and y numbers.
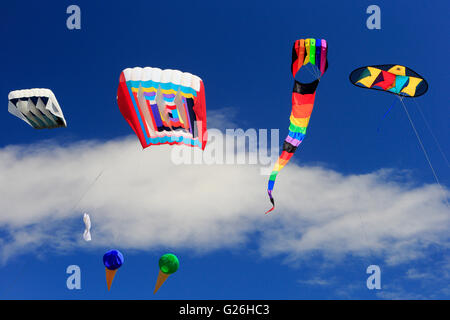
pixel 269 192
pixel 304 51
pixel 281 162
pixel 273 176
pixel 302 106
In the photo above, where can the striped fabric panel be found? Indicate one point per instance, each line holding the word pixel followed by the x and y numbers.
pixel 151 122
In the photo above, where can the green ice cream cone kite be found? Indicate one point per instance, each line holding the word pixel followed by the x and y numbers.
pixel 168 264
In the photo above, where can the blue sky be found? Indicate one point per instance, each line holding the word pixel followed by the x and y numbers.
pixel 243 54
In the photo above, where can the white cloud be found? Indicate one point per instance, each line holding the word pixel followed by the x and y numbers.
pixel 316 282
pixel 143 201
pixel 222 119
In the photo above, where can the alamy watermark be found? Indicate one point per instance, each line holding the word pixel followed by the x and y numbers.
pixel 74 20
pixel 374 20
pixel 235 147
pixel 374 280
pixel 74 280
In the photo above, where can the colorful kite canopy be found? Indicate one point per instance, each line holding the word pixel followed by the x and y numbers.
pixel 37 107
pixel 304 51
pixel 395 79
pixel 163 106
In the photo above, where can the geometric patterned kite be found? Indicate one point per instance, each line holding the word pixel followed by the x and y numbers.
pixel 390 78
pixel 37 107
pixel 163 106
pixel 304 51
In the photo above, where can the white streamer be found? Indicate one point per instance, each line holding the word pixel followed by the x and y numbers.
pixel 87 224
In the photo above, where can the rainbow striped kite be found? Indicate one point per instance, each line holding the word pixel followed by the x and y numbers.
pixel 304 51
pixel 163 106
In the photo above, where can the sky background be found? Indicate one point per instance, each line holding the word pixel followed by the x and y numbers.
pixel 352 196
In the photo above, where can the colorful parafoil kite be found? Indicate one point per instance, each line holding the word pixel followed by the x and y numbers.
pixel 163 106
pixel 168 264
pixel 304 51
pixel 404 83
pixel 112 260
pixel 395 79
pixel 37 107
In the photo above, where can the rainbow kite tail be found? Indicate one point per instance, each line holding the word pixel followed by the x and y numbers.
pixel 270 185
pixel 269 192
pixel 304 51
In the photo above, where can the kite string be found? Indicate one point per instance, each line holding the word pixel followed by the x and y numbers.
pixel 364 232
pixel 384 116
pixel 431 132
pixel 14 280
pixel 87 189
pixel 423 149
pixel 22 268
